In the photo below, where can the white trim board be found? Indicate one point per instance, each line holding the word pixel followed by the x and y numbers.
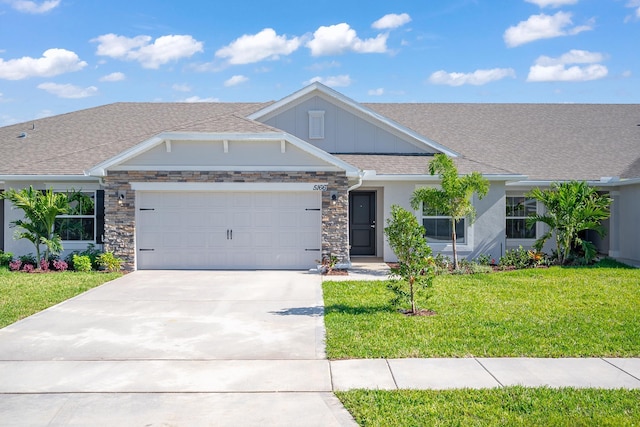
pixel 229 186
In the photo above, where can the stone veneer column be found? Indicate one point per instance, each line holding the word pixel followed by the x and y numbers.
pixel 120 214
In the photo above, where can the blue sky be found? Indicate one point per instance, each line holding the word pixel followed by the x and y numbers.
pixel 58 56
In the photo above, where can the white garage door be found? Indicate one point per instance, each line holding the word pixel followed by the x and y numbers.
pixel 235 230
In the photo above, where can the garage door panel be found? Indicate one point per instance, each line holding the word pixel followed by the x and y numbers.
pixel 189 230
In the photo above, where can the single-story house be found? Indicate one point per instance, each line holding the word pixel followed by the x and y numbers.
pixel 276 184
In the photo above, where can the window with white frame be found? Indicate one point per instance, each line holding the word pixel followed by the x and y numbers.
pixel 316 124
pixel 79 224
pixel 438 227
pixel 518 209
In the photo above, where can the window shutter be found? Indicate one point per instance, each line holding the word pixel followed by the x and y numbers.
pixel 100 216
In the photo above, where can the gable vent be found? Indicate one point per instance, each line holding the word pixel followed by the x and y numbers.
pixel 316 124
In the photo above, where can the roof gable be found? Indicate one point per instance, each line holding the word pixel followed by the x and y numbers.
pixel 383 134
pixel 224 152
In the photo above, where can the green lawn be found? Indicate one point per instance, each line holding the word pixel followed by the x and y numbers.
pixel 511 406
pixel 555 312
pixel 23 294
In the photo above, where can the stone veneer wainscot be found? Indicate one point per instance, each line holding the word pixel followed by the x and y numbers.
pixel 119 235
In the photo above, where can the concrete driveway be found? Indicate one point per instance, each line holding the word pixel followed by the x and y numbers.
pixel 174 348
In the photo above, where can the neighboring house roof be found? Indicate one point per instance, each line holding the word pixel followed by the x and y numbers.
pixel 542 141
pixel 74 142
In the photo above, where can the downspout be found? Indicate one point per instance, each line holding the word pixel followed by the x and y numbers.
pixel 359 184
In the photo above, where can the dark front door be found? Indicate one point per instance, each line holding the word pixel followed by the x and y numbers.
pixel 362 222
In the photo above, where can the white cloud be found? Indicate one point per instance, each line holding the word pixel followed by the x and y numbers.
pixel 198 99
pixel 181 87
pixel 113 77
pixel 68 90
pixel 341 38
pixel 542 27
pixel 477 78
pixel 32 6
pixel 547 69
pixel 390 21
pixel 266 45
pixel 376 92
pixel 236 80
pixel 634 4
pixel 333 81
pixel 574 56
pixel 52 63
pixel 150 55
pixel 552 3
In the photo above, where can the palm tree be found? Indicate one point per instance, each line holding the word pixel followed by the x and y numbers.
pixel 454 197
pixel 571 208
pixel 40 212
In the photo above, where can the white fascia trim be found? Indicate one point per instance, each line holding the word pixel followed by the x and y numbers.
pixel 229 186
pixel 598 183
pixel 228 168
pixel 372 176
pixel 39 178
pixel 101 168
pixel 353 105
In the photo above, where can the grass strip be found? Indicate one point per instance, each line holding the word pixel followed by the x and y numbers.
pixel 510 406
pixel 23 294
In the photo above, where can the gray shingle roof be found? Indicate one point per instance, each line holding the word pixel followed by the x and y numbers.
pixel 71 143
pixel 543 141
pixel 412 165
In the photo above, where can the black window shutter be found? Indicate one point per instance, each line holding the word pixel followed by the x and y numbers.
pixel 100 216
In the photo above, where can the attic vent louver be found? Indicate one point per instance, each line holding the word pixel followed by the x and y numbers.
pixel 22 135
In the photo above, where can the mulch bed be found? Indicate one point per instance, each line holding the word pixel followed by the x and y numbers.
pixel 336 272
pixel 421 312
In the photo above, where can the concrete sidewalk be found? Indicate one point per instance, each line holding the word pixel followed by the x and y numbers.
pixel 448 373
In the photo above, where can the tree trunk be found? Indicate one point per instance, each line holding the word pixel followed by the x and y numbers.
pixel 413 299
pixel 453 240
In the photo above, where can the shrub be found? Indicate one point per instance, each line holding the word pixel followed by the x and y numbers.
pixel 15 265
pixel 28 259
pixel 518 258
pixel 92 252
pixel 522 258
pixel 110 262
pixel 471 267
pixel 28 268
pixel 5 258
pixel 81 263
pixel 60 265
pixel 484 259
pixel 44 264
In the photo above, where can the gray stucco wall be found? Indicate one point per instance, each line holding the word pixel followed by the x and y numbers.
pixel 485 236
pixel 2 227
pixel 489 229
pixel 628 216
